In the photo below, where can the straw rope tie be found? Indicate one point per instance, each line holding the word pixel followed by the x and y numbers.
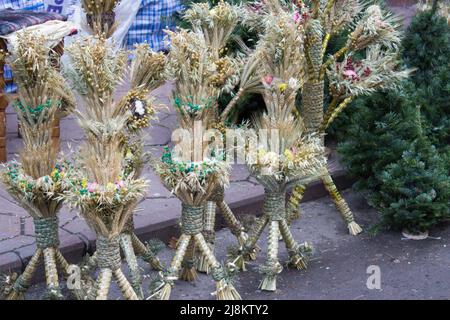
pixel 108 253
pixel 21 285
pixel 274 206
pixel 191 220
pixel 46 230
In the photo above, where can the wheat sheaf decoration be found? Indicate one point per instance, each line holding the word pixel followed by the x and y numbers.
pixel 291 155
pixel 38 178
pixel 102 191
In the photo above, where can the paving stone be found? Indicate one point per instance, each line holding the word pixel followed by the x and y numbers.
pixel 79 227
pixel 10 207
pixel 10 262
pixel 15 243
pixel 239 172
pixel 9 226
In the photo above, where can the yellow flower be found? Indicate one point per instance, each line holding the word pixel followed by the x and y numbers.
pixel 289 155
pixel 282 87
pixel 84 183
pixel 261 153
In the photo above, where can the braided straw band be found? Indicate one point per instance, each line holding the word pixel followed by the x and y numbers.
pixel 108 251
pixel 274 205
pixel 191 220
pixel 46 232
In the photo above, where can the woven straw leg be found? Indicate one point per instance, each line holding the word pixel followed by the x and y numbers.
pixel 188 272
pixel 103 283
pixel 209 234
pixel 340 204
pixel 130 257
pixel 272 267
pixel 293 207
pixel 51 275
pixel 127 290
pixel 248 250
pixel 79 293
pixel 146 253
pixel 299 254
pixel 224 288
pixel 163 286
pixel 22 283
pixel 233 223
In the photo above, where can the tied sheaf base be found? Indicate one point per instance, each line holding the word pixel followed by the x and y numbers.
pixel 192 227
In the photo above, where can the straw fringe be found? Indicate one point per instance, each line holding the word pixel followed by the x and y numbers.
pixel 188 273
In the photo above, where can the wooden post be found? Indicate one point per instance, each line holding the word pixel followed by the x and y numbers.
pixel 3 106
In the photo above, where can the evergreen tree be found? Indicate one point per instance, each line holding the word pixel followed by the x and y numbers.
pixel 400 155
pixel 415 190
pixel 427 49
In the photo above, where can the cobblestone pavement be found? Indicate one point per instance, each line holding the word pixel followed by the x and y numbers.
pixel 338 270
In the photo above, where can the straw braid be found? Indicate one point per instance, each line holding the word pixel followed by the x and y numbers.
pixel 313 89
pixel 51 275
pixel 299 254
pixel 272 266
pixel 255 234
pixel 146 252
pixel 233 223
pixel 189 273
pixel 339 202
pixel 103 283
pixel 293 206
pixel 209 222
pixel 177 260
pixel 130 257
pixel 23 282
pixel 125 287
pixel 274 205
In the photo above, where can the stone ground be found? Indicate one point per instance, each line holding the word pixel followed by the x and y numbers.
pixel 338 270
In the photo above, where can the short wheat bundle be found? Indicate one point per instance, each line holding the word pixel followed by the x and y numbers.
pixel 100 15
pixel 104 195
pixel 371 31
pixel 290 156
pixel 38 180
pixel 145 75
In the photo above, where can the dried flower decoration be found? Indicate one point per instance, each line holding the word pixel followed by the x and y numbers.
pixel 380 69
